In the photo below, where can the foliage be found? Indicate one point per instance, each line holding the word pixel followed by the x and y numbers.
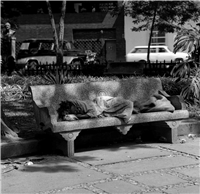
pixel 19 84
pixel 170 85
pixel 169 14
pixel 191 90
pixel 59 77
pixel 16 87
pixel 188 40
pixel 165 16
pixel 13 92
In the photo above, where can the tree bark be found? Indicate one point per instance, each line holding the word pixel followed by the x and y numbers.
pixel 151 32
pixel 58 39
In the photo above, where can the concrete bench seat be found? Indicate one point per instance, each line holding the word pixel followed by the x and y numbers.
pixel 46 100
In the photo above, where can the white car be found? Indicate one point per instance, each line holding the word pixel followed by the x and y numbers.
pixel 157 53
pixel 34 52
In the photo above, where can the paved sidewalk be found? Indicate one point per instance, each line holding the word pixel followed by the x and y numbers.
pixel 139 168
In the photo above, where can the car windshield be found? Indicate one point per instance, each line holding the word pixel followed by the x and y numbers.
pixel 39 45
pixel 68 46
pixel 30 45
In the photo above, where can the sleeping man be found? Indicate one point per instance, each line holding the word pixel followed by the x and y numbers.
pixel 102 106
pixel 107 106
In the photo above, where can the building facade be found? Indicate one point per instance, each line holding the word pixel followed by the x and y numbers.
pixel 89 26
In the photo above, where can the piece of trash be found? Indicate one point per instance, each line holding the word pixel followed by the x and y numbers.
pixel 182 141
pixel 162 139
pixel 192 136
pixel 28 163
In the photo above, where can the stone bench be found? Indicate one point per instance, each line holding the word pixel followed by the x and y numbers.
pixel 46 100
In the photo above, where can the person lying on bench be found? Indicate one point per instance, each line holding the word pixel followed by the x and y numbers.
pixel 102 106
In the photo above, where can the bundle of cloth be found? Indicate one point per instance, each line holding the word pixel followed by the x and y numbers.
pixel 108 106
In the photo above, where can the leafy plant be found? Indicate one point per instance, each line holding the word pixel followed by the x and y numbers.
pixel 190 72
pixel 188 39
pixel 60 76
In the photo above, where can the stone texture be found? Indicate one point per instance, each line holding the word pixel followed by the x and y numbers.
pixel 76 191
pixel 117 154
pixel 154 164
pixel 192 172
pixel 158 180
pixel 54 173
pixel 185 190
pixel 57 174
pixel 118 187
pixel 191 148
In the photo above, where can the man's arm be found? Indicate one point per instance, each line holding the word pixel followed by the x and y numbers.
pixel 83 116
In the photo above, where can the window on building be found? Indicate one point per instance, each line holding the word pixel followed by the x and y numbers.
pixel 158 38
pixel 93 6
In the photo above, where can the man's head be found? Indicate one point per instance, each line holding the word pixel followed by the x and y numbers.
pixel 7 26
pixel 67 108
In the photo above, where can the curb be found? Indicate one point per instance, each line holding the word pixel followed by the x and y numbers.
pixel 189 126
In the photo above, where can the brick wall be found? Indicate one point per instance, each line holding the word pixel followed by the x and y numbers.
pixel 77 26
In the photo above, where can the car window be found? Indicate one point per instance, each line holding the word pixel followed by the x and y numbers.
pixel 162 50
pixel 68 46
pixel 34 45
pixel 24 46
pixel 46 46
pixel 140 50
pixel 153 50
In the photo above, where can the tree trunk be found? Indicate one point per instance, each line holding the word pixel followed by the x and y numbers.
pixel 151 32
pixel 58 40
pixel 7 129
pixel 61 34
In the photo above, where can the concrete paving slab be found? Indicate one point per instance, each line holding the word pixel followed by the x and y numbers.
pixel 116 154
pixel 185 190
pixel 146 165
pixel 118 187
pixel 52 173
pixel 158 180
pixel 190 147
pixel 193 172
pixel 76 191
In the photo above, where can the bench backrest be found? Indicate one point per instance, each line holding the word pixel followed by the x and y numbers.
pixel 139 89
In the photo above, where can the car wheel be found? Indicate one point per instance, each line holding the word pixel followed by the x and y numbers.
pixel 143 63
pixel 178 60
pixel 32 65
pixel 76 64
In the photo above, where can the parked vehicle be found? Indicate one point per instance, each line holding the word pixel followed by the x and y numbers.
pixel 157 53
pixel 42 51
